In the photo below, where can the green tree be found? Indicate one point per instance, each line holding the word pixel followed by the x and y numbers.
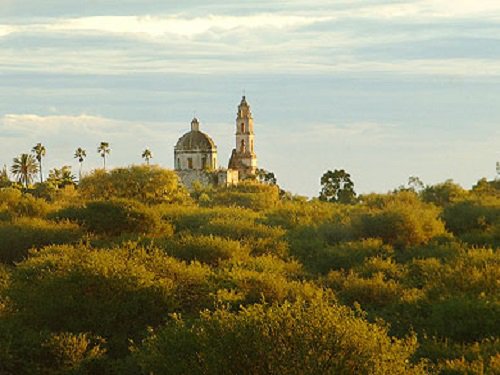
pixel 337 186
pixel 80 154
pixel 4 178
pixel 147 155
pixel 39 151
pixel 24 168
pixel 104 150
pixel 62 177
pixel 266 177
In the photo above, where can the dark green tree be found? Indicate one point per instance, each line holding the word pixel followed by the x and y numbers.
pixel 147 155
pixel 80 154
pixel 104 150
pixel 24 168
pixel 337 186
pixel 266 177
pixel 39 151
pixel 61 177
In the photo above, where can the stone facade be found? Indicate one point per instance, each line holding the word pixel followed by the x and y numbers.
pixel 195 150
pixel 243 157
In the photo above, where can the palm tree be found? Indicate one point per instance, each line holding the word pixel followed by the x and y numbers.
pixel 147 155
pixel 24 168
pixel 39 151
pixel 80 154
pixel 104 150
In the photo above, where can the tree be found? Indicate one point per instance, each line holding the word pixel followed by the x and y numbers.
pixel 337 186
pixel 24 168
pixel 39 151
pixel 147 155
pixel 266 177
pixel 104 150
pixel 4 178
pixel 80 154
pixel 62 177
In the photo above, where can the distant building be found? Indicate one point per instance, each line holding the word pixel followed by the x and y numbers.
pixel 195 154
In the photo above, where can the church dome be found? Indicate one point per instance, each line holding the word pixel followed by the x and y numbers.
pixel 195 140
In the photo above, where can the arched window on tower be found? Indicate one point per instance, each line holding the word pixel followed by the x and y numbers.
pixel 242 127
pixel 242 147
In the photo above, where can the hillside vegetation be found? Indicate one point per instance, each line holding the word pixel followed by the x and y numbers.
pixel 128 273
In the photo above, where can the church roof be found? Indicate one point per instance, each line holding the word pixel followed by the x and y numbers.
pixel 195 140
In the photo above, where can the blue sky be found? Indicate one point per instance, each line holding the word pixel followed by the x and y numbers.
pixel 383 89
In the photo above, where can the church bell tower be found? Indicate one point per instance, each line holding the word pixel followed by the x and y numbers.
pixel 243 157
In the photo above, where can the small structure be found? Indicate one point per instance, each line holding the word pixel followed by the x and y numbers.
pixel 195 154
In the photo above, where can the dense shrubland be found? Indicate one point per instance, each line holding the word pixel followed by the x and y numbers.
pixel 127 273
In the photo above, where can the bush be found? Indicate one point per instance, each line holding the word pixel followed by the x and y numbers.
pixel 115 294
pixel 15 204
pixel 292 338
pixel 23 234
pixel 347 255
pixel 147 184
pixel 371 293
pixel 400 220
pixel 112 217
pixel 255 196
pixel 206 249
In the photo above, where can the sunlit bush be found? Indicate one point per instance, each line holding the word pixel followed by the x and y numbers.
pixel 16 204
pixel 206 249
pixel 292 338
pixel 148 184
pixel 251 195
pixel 17 237
pixel 400 220
pixel 114 294
pixel 112 217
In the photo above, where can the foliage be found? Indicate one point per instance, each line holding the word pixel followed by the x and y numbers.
pixel 146 184
pixel 119 292
pixel 15 204
pixel 245 280
pixel 400 220
pixel 206 249
pixel 20 235
pixel 247 194
pixel 24 168
pixel 337 186
pixel 291 338
pixel 112 217
pixel 444 193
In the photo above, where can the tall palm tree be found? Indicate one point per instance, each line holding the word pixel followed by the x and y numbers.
pixel 104 150
pixel 147 155
pixel 39 151
pixel 80 154
pixel 24 168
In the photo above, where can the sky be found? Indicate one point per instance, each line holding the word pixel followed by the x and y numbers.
pixel 382 89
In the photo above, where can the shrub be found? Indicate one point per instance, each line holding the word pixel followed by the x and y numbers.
pixel 112 217
pixel 23 234
pixel 347 255
pixel 371 293
pixel 114 294
pixel 255 196
pixel 16 204
pixel 206 249
pixel 147 184
pixel 291 338
pixel 400 220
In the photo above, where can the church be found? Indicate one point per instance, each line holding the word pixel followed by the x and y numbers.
pixel 195 154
